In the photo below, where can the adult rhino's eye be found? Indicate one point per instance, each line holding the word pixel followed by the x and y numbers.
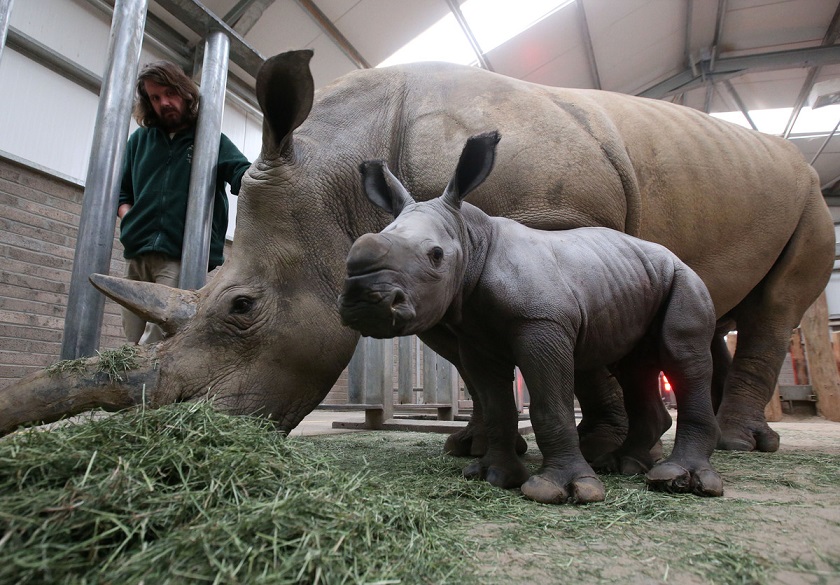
pixel 436 254
pixel 241 305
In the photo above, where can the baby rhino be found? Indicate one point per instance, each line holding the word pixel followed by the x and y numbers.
pixel 551 303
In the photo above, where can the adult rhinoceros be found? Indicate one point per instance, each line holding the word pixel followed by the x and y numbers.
pixel 741 208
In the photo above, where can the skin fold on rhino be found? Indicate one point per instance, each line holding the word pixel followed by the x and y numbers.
pixel 743 209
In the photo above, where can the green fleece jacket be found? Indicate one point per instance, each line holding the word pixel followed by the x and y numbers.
pixel 155 181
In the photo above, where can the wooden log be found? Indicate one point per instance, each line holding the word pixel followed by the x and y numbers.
pixel 797 358
pixel 835 346
pixel 821 365
pixel 773 409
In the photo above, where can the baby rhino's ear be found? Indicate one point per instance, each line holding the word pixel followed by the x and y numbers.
pixel 383 188
pixel 475 164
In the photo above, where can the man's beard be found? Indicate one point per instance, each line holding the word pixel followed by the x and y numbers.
pixel 172 122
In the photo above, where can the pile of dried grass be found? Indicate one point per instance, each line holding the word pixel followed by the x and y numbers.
pixel 185 494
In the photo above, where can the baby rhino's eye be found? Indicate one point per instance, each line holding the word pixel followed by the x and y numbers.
pixel 436 255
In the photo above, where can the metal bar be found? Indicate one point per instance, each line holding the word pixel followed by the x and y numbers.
pixel 174 47
pixel 94 244
pixel 825 143
pixel 196 251
pixel 587 44
pixel 252 13
pixel 335 35
pixel 735 66
pixel 465 27
pixel 5 17
pixel 735 96
pixel 709 66
pixel 830 184
pixel 800 100
pixel 689 17
pixel 201 20
pixel 710 93
pixel 828 40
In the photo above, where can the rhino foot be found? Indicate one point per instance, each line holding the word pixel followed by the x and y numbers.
pixel 470 442
pixel 551 486
pixel 743 438
pixel 500 473
pixel 628 464
pixel 674 478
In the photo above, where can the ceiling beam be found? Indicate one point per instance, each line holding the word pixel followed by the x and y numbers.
pixel 329 28
pixel 465 28
pixel 201 21
pixel 829 39
pixel 246 14
pixel 587 44
pixel 738 102
pixel 729 67
pixel 709 66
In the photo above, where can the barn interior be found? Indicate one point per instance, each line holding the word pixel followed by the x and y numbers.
pixel 67 71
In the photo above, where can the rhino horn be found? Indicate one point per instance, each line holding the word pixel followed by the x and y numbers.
pixel 54 393
pixel 171 308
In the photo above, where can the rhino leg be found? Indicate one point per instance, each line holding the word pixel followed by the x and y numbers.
pixel 603 424
pixel 765 319
pixel 499 464
pixel 471 441
pixel 647 418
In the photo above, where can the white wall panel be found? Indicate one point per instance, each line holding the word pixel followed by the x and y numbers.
pixel 245 131
pixel 45 118
pixel 71 28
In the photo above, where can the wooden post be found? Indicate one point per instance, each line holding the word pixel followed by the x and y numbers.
pixel 835 346
pixel 821 365
pixel 371 379
pixel 773 409
pixel 797 358
pixel 405 377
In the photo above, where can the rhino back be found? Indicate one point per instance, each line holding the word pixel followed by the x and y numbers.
pixel 724 199
pixel 601 286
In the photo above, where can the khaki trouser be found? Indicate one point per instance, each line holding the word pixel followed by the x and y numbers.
pixel 152 267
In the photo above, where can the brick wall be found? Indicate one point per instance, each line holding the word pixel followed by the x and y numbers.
pixel 39 218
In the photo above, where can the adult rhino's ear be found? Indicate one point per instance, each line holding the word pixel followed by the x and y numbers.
pixel 475 164
pixel 285 90
pixel 383 188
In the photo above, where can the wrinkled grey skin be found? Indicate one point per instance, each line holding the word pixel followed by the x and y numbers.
pixel 552 303
pixel 264 336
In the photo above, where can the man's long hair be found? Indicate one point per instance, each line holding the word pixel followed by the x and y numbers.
pixel 170 75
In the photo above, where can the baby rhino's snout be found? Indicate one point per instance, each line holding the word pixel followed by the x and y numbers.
pixel 367 254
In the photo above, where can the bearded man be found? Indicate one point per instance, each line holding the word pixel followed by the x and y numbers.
pixel 155 184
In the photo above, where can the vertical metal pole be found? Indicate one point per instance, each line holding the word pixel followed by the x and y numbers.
pixel 5 17
pixel 195 256
pixel 95 241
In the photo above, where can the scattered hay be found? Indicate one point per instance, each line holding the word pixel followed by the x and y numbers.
pixel 113 362
pixel 185 494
